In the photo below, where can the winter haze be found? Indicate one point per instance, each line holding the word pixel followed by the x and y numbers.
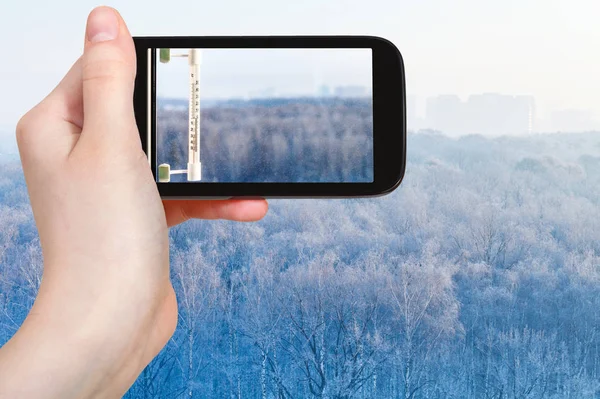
pixel 477 278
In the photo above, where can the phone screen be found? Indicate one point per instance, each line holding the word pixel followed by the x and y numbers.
pixel 273 115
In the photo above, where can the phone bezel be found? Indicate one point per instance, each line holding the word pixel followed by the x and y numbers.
pixel 389 116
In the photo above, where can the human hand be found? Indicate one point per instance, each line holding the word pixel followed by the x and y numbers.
pixel 106 305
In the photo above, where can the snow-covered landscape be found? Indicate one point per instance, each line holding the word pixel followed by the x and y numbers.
pixel 478 278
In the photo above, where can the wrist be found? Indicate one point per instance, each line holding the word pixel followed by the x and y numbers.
pixel 60 353
pixel 42 360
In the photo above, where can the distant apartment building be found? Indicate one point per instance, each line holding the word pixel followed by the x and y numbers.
pixel 350 91
pixel 488 113
pixel 268 92
pixel 324 91
pixel 445 113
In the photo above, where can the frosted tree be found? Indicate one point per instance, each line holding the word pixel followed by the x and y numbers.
pixel 425 311
pixel 199 287
pixel 261 322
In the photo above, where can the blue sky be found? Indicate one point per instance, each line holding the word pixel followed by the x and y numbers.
pixel 547 48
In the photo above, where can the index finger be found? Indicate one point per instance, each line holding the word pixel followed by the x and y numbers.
pixel 178 211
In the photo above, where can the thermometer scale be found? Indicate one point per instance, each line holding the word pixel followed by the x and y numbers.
pixel 194 167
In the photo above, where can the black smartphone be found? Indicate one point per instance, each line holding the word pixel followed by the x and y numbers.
pixel 271 116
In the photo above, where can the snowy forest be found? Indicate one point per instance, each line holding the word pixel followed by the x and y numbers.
pixel 478 278
pixel 272 140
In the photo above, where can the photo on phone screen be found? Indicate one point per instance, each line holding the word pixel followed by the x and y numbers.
pixel 271 116
pixel 252 115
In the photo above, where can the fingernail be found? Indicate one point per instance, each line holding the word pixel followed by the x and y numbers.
pixel 102 25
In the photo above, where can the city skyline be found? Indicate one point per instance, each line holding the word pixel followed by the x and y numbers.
pixel 493 113
pixel 478 113
pixel 547 48
pixel 325 91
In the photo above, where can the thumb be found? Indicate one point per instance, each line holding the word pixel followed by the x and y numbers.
pixel 108 74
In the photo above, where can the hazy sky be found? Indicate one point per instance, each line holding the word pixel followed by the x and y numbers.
pixel 227 73
pixel 547 48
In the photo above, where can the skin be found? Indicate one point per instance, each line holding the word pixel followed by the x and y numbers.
pixel 106 306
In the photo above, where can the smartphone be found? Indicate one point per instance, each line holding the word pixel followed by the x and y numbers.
pixel 271 116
